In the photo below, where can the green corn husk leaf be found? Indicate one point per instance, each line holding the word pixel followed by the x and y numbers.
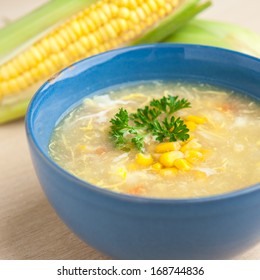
pixel 187 10
pixel 179 18
pixel 218 34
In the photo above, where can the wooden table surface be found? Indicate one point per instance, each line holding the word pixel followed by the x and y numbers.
pixel 29 228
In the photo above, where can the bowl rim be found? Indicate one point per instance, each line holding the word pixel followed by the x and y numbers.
pixel 122 196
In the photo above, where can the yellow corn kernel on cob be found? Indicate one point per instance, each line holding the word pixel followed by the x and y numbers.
pixel 102 26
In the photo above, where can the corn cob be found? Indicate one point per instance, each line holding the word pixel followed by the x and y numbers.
pixel 37 22
pixel 102 26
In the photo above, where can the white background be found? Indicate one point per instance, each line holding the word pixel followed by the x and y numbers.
pixel 46 270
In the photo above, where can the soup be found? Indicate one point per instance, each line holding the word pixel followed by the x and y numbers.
pixel 162 139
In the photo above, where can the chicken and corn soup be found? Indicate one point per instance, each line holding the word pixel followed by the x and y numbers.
pixel 164 140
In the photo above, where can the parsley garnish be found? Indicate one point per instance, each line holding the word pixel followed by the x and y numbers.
pixel 156 119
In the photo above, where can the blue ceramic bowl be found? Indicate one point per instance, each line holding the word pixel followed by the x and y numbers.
pixel 128 227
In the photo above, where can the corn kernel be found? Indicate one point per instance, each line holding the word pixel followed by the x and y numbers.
pixel 84 27
pixel 17 66
pixel 11 70
pixel 191 125
pixel 146 9
pixel 110 30
pixel 103 16
pixel 114 10
pixel 104 35
pixel 81 149
pixel 22 83
pixel 123 25
pixel 5 88
pixel 168 7
pixel 13 85
pixel 91 25
pixel 168 171
pixel 193 156
pixel 4 75
pixel 196 119
pixel 41 50
pixel 45 44
pixel 61 42
pixel 70 33
pixel 152 5
pixel 193 144
pixel 199 174
pixel 93 41
pixel 157 166
pixel 23 62
pixel 84 40
pixel 140 13
pixel 130 3
pixel 168 159
pixel 96 19
pixel 121 171
pixel 34 73
pixel 55 48
pixel 204 151
pixel 79 48
pixel 71 50
pixel 124 13
pixel 160 2
pixel 36 54
pixel 107 11
pixel 167 147
pixel 182 164
pixel 144 160
pixel 28 77
pixel 162 12
pixel 76 27
pixel 49 64
pixel 123 3
pixel 101 49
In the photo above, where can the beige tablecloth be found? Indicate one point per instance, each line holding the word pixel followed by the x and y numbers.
pixel 29 228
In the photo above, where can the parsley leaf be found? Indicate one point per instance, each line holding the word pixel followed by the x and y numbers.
pixel 144 116
pixel 130 130
pixel 120 127
pixel 170 104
